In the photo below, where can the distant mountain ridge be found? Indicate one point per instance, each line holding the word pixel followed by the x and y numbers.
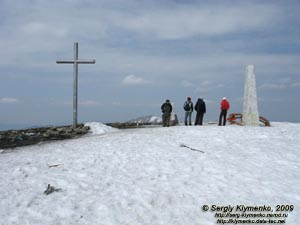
pixel 146 119
pixel 12 126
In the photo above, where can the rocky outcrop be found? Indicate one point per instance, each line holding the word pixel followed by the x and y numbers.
pixel 17 138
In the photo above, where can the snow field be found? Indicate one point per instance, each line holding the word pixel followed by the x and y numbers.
pixel 143 176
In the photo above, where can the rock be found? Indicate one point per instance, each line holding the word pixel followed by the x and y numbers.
pixel 50 189
pixel 16 138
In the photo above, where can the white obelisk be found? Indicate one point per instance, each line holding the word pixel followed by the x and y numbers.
pixel 250 107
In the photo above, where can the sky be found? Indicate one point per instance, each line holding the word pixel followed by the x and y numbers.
pixel 145 52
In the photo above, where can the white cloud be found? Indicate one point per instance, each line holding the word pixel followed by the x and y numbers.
pixel 283 84
pixel 188 21
pixel 33 27
pixel 116 103
pixel 273 87
pixel 134 80
pixel 297 84
pixel 61 102
pixel 278 100
pixel 88 103
pixel 39 28
pixel 9 100
pixel 186 83
pixel 206 86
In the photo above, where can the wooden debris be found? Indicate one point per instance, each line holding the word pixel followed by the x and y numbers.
pixel 193 149
pixel 55 165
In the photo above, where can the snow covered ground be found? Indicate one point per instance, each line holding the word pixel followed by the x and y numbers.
pixel 144 176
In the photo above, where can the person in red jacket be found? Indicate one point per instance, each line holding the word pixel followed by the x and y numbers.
pixel 224 108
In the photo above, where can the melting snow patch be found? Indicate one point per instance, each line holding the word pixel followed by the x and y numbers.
pixel 100 128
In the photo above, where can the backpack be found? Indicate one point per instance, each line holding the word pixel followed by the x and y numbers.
pixel 187 107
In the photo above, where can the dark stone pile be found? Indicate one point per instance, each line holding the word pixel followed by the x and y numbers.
pixel 17 138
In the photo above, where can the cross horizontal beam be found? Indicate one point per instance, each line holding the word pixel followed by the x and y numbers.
pixel 79 61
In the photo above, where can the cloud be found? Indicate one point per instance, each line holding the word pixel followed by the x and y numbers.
pixel 278 100
pixel 273 87
pixel 88 103
pixel 134 80
pixel 116 103
pixel 208 85
pixel 186 83
pixel 61 102
pixel 9 100
pixel 283 84
pixel 42 29
pixel 297 84
pixel 185 21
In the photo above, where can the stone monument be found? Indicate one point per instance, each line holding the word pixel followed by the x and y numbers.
pixel 250 106
pixel 173 119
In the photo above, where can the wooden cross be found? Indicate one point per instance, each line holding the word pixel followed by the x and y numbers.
pixel 75 61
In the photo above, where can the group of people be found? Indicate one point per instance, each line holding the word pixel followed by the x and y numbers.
pixel 189 107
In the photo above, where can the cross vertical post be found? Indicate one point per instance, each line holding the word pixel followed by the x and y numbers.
pixel 75 63
pixel 75 83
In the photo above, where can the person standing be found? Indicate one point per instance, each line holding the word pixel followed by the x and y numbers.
pixel 188 108
pixel 200 108
pixel 224 108
pixel 166 109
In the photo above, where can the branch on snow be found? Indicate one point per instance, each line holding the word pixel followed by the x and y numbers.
pixel 55 165
pixel 193 149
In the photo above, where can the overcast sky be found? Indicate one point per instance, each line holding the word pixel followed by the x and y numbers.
pixel 146 51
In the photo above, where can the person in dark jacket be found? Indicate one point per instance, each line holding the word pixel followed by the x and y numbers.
pixel 200 108
pixel 166 109
pixel 188 108
pixel 224 108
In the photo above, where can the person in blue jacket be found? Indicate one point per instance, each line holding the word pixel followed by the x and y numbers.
pixel 188 108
